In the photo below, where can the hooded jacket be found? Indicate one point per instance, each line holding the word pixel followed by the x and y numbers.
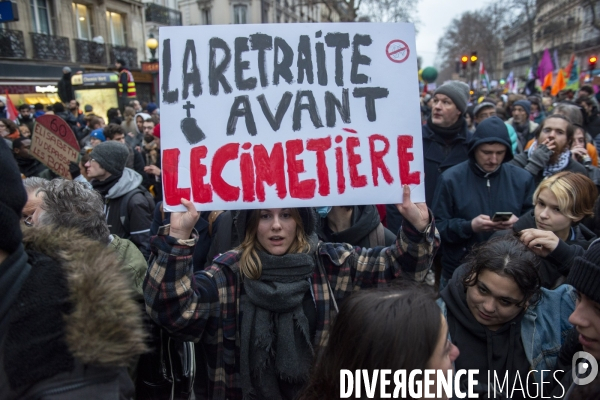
pixel 531 341
pixel 466 191
pixel 74 326
pixel 556 266
pixel 365 219
pixel 139 210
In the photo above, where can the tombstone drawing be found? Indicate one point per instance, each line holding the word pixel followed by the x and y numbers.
pixel 189 126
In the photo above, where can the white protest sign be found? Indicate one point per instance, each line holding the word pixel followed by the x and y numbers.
pixel 294 115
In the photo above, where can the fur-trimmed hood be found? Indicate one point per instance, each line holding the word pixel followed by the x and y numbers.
pixel 104 327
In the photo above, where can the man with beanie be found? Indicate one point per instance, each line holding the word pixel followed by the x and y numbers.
pixel 128 205
pixel 65 88
pixel 445 139
pixel 465 217
pixel 69 326
pixel 525 128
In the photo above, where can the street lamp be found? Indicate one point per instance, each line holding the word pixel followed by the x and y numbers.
pixel 152 44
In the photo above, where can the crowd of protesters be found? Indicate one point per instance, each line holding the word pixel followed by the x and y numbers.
pixel 107 295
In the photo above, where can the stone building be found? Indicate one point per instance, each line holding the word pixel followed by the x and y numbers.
pixel 208 12
pixel 85 35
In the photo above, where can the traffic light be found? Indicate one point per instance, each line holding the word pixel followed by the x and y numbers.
pixel 592 63
pixel 464 60
pixel 474 58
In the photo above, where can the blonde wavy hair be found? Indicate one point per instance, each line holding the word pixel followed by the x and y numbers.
pixel 250 264
pixel 575 193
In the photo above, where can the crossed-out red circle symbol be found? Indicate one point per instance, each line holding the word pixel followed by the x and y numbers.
pixel 397 51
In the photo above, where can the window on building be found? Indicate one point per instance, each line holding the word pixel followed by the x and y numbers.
pixel 239 14
pixel 206 18
pixel 82 20
pixel 116 30
pixel 40 16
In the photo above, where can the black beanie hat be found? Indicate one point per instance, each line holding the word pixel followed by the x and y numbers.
pixel 112 156
pixel 585 272
pixel 12 200
pixel 526 104
pixel 307 214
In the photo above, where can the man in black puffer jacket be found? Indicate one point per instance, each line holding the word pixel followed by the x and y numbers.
pixel 445 139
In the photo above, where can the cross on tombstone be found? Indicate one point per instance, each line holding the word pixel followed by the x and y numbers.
pixel 188 106
pixel 189 126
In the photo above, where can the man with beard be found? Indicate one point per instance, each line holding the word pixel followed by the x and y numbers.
pixel 28 165
pixel 550 152
pixel 152 156
pixel 128 206
pixel 525 128
pixel 25 117
pixel 77 114
pixel 444 140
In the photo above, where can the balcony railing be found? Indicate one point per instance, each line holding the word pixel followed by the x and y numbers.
pixel 162 15
pixel 88 52
pixel 127 54
pixel 49 47
pixel 12 44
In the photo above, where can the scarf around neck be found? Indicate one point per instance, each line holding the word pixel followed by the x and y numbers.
pixel 559 165
pixel 449 133
pixel 104 186
pixel 275 338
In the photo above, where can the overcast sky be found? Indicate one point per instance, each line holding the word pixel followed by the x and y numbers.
pixel 435 17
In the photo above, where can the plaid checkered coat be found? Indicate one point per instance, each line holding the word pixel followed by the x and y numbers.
pixel 205 307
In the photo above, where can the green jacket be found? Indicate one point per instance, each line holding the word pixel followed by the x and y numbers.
pixel 134 262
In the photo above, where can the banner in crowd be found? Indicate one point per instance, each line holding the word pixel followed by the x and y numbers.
pixel 292 115
pixel 54 144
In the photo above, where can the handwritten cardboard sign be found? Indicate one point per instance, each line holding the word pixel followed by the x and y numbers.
pixel 54 144
pixel 294 115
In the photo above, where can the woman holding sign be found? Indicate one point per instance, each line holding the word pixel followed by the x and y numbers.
pixel 263 310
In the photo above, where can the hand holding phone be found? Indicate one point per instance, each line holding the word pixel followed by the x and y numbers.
pixel 502 216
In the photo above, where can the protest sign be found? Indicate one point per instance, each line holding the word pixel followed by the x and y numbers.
pixel 294 115
pixel 54 144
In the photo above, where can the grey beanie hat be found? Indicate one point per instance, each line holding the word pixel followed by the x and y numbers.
pixel 485 104
pixel 458 92
pixel 66 70
pixel 112 156
pixel 526 104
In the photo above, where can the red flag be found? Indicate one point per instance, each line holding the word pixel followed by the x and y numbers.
pixel 11 111
pixel 570 66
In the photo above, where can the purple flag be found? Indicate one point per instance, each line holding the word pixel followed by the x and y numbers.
pixel 545 65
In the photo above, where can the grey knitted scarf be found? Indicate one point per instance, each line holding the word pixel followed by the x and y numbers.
pixel 275 338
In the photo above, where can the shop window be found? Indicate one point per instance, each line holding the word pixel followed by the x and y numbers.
pixel 116 28
pixel 40 16
pixel 239 14
pixel 82 19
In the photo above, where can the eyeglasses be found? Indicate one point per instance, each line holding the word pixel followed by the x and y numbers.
pixel 28 221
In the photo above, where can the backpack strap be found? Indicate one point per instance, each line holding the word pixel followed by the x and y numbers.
pixel 212 217
pixel 124 212
pixel 377 236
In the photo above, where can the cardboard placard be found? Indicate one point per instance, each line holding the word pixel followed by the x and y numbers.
pixel 54 144
pixel 294 115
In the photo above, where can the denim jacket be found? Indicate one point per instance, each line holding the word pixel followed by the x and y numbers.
pixel 543 328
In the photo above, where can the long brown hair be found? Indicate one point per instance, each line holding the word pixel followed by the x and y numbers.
pixel 250 264
pixel 391 328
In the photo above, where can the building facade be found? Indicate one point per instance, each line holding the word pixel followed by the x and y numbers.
pixel 85 35
pixel 209 12
pixel 562 25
